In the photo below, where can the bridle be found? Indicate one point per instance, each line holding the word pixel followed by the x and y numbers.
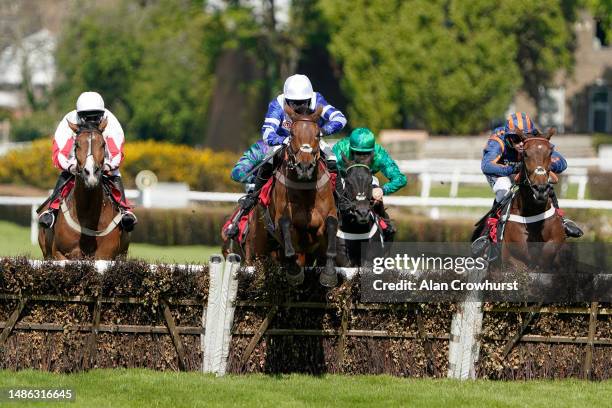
pixel 346 203
pixel 538 171
pixel 304 148
pixel 89 140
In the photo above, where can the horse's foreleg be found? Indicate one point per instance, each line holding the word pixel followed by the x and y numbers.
pixel 285 227
pixel 328 277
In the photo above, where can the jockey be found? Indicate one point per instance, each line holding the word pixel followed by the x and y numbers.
pixel 299 96
pixel 501 159
pixel 89 109
pixel 361 142
pixel 250 158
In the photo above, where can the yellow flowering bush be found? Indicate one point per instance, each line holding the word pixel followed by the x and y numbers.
pixel 202 169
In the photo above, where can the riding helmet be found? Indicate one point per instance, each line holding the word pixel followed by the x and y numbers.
pixel 362 140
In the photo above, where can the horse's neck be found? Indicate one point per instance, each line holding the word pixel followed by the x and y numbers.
pixel 525 205
pixel 88 203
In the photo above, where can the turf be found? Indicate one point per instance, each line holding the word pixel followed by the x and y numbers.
pixel 15 240
pixel 139 388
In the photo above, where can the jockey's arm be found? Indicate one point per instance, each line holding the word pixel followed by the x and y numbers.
pixel 115 139
pixel 390 169
pixel 558 164
pixel 334 119
pixel 250 158
pixel 492 153
pixel 273 120
pixel 63 142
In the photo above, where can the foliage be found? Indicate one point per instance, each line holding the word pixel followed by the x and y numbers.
pixel 447 66
pixel 33 126
pixel 202 169
pixel 152 63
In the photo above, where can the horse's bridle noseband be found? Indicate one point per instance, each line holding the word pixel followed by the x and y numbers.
pixel 539 171
pixel 306 148
pixel 89 139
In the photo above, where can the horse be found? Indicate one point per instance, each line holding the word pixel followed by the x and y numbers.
pixel 298 227
pixel 358 222
pixel 88 223
pixel 530 216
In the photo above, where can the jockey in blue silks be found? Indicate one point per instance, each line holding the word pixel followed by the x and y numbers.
pixel 501 159
pixel 300 96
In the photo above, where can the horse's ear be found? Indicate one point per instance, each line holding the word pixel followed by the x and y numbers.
pixel 290 112
pixel 103 124
pixel 317 113
pixel 73 126
pixel 550 133
pixel 521 134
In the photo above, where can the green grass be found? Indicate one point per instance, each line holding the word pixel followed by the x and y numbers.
pixel 15 240
pixel 144 388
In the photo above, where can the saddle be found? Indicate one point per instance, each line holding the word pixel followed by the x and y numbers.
pixel 110 189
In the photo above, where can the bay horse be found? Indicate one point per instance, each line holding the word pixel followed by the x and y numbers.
pixel 87 224
pixel 532 216
pixel 298 227
pixel 358 224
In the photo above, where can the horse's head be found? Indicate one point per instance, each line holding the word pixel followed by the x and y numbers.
pixel 358 187
pixel 89 147
pixel 537 155
pixel 303 151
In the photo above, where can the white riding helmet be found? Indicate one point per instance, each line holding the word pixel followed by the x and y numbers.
pixel 90 101
pixel 298 88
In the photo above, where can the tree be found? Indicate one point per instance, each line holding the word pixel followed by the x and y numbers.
pixel 448 66
pixel 151 61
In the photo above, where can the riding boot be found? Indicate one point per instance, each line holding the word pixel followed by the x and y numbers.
pixel 128 218
pixel 571 229
pixel 247 202
pixel 46 219
pixel 389 232
pixel 481 243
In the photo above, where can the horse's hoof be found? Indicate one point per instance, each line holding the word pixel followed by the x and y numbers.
pixel 327 279
pixel 295 277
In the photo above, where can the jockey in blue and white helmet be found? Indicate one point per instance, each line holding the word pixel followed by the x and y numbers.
pixel 299 95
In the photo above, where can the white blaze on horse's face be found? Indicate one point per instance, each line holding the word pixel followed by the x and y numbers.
pixel 540 171
pixel 306 148
pixel 90 175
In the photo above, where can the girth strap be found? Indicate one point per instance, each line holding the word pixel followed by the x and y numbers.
pixel 86 231
pixel 534 218
pixel 350 236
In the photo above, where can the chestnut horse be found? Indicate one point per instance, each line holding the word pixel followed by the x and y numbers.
pixel 87 224
pixel 301 216
pixel 532 217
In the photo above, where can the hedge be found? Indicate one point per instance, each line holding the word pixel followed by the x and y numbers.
pixel 200 225
pixel 202 169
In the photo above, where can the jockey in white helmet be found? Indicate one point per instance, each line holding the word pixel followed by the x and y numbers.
pixel 89 109
pixel 300 96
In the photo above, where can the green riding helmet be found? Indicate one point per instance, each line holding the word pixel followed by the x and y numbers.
pixel 362 140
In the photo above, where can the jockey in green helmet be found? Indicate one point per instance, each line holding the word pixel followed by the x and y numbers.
pixel 357 146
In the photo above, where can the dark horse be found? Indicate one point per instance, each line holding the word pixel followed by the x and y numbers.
pixel 301 216
pixel 532 216
pixel 358 222
pixel 88 223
